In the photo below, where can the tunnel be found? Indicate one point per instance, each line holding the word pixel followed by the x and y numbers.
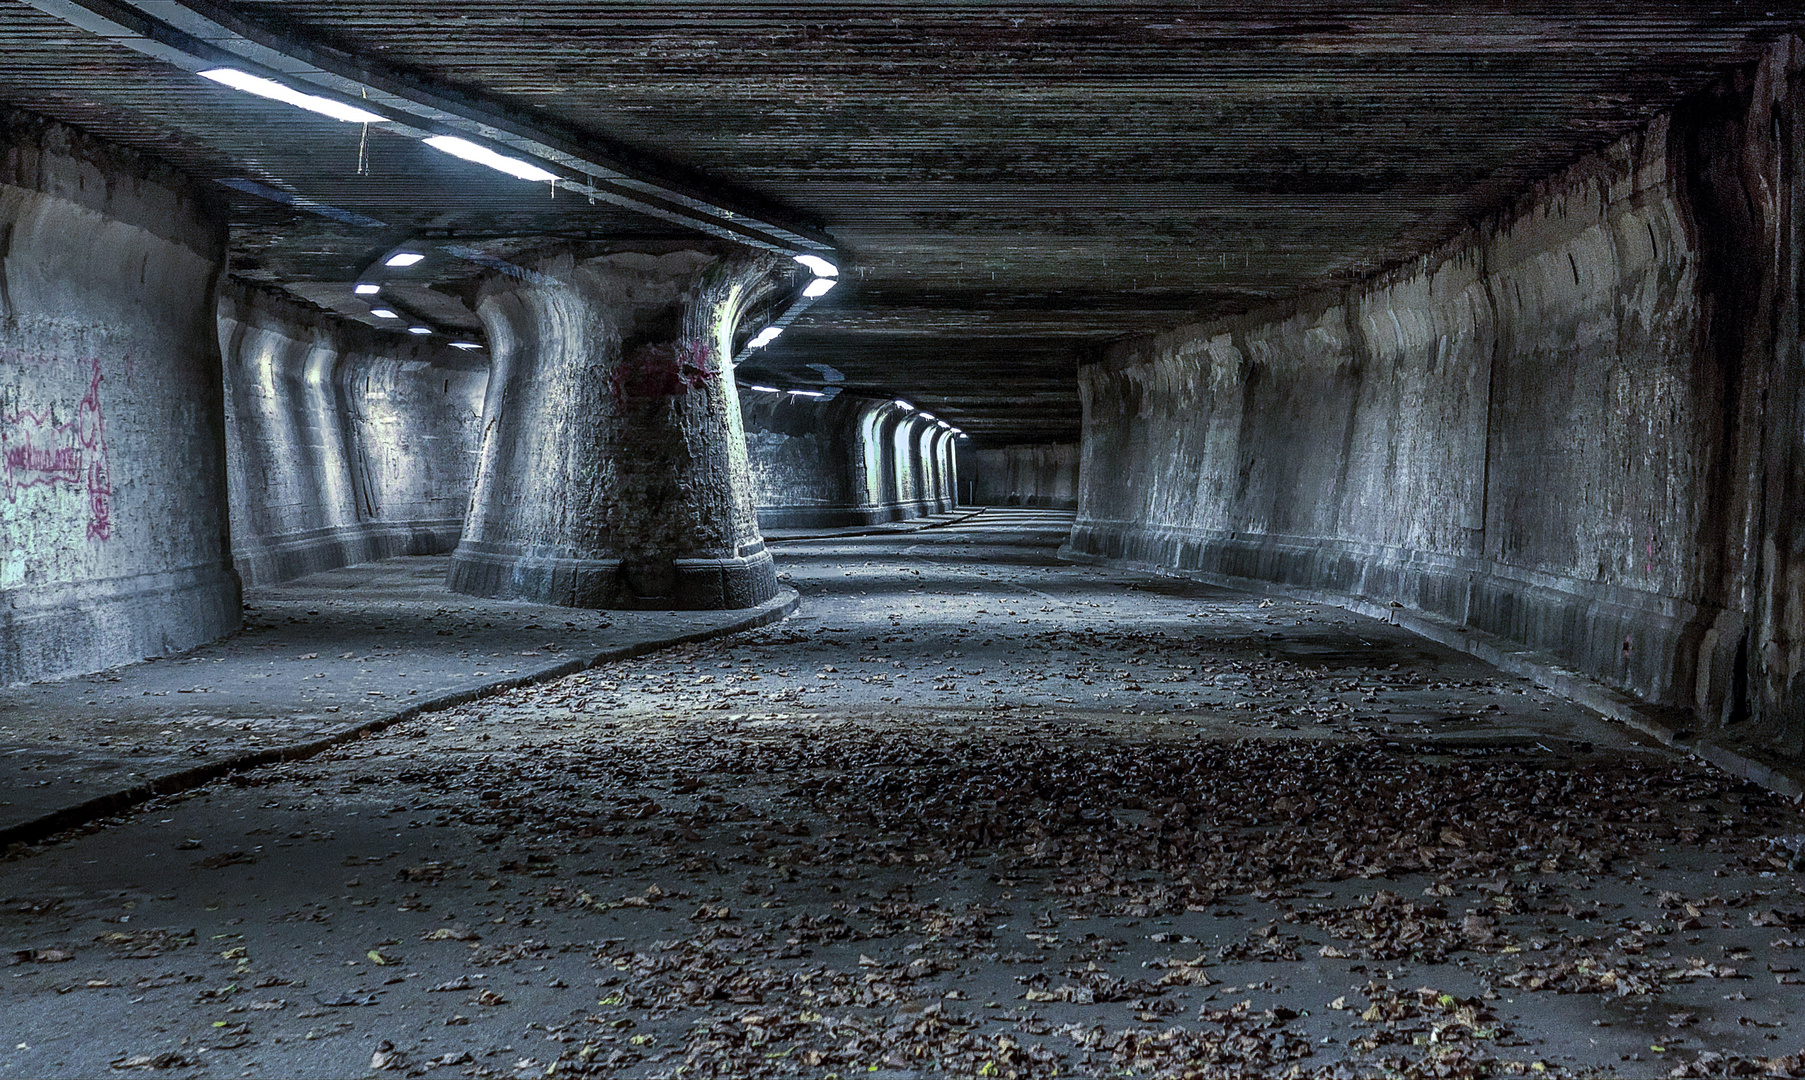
pixel 705 539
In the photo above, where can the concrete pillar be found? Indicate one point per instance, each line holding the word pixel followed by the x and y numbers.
pixel 905 460
pixel 926 466
pixel 612 471
pixel 945 466
pixel 112 481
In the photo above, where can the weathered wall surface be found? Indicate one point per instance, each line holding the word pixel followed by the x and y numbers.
pixel 842 462
pixel 112 482
pixel 1038 474
pixel 1576 428
pixel 343 445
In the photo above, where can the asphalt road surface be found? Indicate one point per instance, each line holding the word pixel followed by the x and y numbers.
pixel 973 812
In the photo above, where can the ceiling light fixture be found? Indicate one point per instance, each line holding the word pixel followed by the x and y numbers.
pixel 367 289
pixel 465 345
pixel 820 266
pixel 901 404
pixel 806 393
pixel 765 337
pixel 383 313
pixel 765 389
pixel 927 416
pixel 819 287
pixel 275 91
pixel 419 329
pixel 403 258
pixel 482 155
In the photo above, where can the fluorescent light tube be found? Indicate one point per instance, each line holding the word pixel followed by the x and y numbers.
pixel 482 155
pixel 820 266
pixel 765 389
pixel 901 404
pixel 807 393
pixel 927 416
pixel 819 287
pixel 419 329
pixel 466 345
pixel 383 313
pixel 366 289
pixel 269 88
pixel 404 258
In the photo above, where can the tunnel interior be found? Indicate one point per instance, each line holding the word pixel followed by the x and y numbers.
pixel 1076 539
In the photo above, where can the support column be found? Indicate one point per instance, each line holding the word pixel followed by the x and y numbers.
pixel 612 471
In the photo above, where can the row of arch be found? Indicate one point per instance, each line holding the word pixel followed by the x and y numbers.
pixel 845 460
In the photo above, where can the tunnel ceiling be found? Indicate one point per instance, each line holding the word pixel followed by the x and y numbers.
pixel 1009 187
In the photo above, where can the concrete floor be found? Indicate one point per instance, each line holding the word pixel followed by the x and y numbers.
pixel 319 659
pixel 973 812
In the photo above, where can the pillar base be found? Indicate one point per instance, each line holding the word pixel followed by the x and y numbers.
pixel 508 572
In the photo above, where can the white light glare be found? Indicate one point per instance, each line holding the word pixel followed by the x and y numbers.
pixel 419 329
pixel 765 337
pixel 765 389
pixel 383 313
pixel 901 404
pixel 367 289
pixel 819 287
pixel 269 88
pixel 403 258
pixel 482 155
pixel 807 393
pixel 927 416
pixel 944 424
pixel 820 266
pixel 465 345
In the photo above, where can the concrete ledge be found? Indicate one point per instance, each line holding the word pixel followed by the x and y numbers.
pixel 41 825
pixel 505 572
pixel 953 517
pixel 1670 726
pixel 827 516
pixel 268 560
pixel 61 630
pixel 1663 649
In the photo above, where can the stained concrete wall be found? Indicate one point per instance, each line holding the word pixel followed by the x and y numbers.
pixel 1576 428
pixel 843 461
pixel 112 481
pixel 1036 474
pixel 343 444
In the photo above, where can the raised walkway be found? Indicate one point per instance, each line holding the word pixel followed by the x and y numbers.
pixel 321 659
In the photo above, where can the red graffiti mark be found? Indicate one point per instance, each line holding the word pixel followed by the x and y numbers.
pixel 38 452
pixel 663 371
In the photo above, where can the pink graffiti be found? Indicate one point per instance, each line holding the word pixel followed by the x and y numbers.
pixel 38 452
pixel 662 371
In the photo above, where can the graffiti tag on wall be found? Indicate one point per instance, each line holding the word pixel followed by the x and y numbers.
pixel 663 371
pixel 37 450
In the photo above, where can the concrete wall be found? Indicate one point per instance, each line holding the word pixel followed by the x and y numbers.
pixel 1576 427
pixel 343 444
pixel 112 481
pixel 1038 474
pixel 844 461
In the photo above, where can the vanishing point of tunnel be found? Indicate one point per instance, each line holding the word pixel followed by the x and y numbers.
pixel 697 539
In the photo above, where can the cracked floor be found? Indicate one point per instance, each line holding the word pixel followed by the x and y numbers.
pixel 973 812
